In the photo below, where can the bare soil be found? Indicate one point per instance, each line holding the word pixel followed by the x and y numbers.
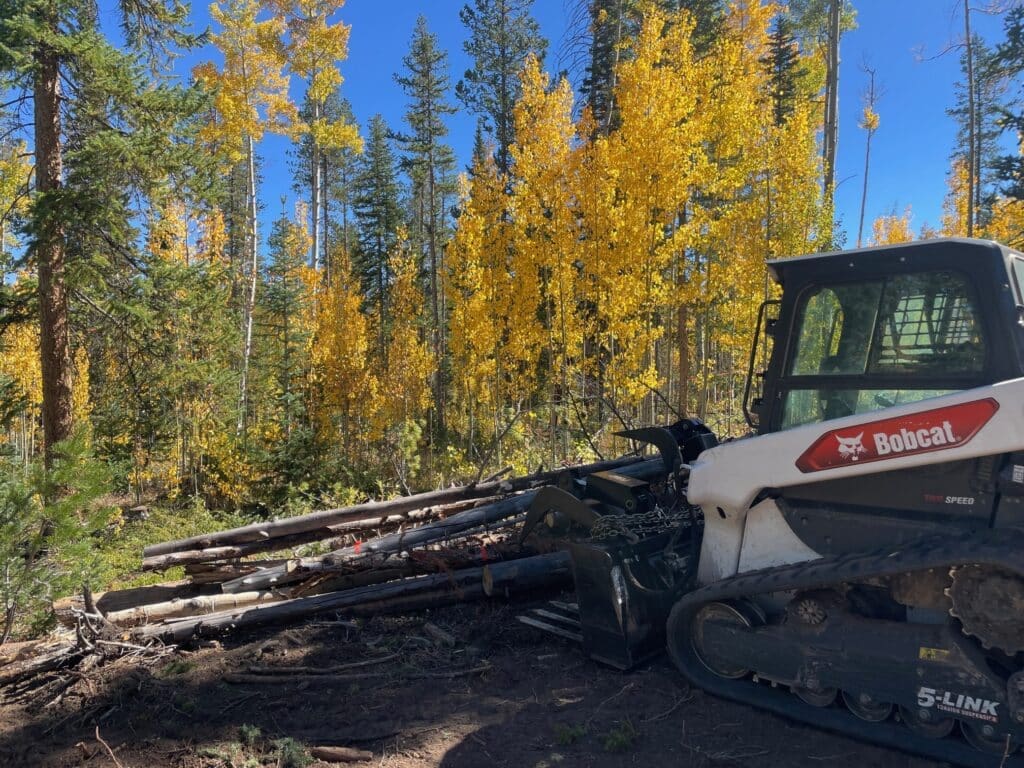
pixel 539 703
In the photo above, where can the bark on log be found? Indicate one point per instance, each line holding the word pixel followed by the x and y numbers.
pixel 122 599
pixel 340 754
pixel 456 525
pixel 547 569
pixel 144 614
pixel 489 515
pixel 328 517
pixel 365 524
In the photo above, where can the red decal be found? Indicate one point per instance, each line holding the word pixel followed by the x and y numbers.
pixel 923 432
pixel 358 547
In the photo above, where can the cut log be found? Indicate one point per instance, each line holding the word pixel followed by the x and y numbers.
pixel 122 599
pixel 365 524
pixel 340 754
pixel 324 518
pixel 497 514
pixel 551 568
pixel 191 606
pixel 501 513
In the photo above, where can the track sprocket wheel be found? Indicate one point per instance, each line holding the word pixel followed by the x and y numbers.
pixel 990 605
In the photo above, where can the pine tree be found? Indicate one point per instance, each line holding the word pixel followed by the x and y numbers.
pixel 430 164
pixel 501 34
pixel 378 215
pixel 613 25
pixel 1009 61
pixel 56 56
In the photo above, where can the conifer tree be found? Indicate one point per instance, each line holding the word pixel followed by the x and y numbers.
pixel 430 164
pixel 501 34
pixel 783 63
pixel 56 56
pixel 378 213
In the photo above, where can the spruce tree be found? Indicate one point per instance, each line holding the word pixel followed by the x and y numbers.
pixel 430 165
pixel 1009 61
pixel 378 214
pixel 783 65
pixel 501 35
pixel 613 24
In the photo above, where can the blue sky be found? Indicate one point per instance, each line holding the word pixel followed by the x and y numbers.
pixel 910 151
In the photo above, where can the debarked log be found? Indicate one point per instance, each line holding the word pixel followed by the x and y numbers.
pixel 548 569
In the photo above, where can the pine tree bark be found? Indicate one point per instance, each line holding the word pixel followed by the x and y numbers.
pixel 54 331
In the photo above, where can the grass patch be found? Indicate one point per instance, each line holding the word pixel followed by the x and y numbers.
pixel 567 735
pixel 621 737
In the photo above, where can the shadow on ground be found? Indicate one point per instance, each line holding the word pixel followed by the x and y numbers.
pixel 539 705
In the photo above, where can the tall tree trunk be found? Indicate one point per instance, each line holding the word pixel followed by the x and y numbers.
pixel 314 258
pixel 971 180
pixel 831 137
pixel 54 332
pixel 250 299
pixel 867 156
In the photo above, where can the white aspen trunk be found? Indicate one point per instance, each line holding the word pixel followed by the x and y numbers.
pixel 250 301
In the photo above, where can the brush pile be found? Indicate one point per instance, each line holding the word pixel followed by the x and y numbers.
pixel 414 552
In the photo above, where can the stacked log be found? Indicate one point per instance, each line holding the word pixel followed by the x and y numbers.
pixel 410 553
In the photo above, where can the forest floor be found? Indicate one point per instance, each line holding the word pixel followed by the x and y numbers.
pixel 504 695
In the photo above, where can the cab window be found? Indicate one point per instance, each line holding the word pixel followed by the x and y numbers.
pixel 858 338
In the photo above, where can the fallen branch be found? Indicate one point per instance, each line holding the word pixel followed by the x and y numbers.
pixel 323 670
pixel 289 679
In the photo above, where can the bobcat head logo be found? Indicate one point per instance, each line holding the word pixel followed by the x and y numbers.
pixel 851 448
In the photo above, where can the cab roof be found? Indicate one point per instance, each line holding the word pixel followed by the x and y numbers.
pixel 940 253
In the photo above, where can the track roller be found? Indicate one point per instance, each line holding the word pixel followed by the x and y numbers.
pixel 866 708
pixel 924 723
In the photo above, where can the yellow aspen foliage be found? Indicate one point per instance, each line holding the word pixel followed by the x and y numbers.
pixel 547 341
pixel 20 363
pixel 15 172
pixel 480 285
pixel 1007 222
pixel 892 229
pixel 313 50
pixel 347 387
pixel 409 364
pixel 954 207
pixel 251 91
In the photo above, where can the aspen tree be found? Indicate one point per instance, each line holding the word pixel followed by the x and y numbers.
pixel 251 97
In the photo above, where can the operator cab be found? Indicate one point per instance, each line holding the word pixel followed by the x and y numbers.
pixel 864 330
pixel 859 331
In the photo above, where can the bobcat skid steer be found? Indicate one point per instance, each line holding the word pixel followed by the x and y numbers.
pixel 858 563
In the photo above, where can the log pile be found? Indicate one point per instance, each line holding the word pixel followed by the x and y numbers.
pixel 414 552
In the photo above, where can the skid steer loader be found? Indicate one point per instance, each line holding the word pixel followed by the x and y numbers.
pixel 858 561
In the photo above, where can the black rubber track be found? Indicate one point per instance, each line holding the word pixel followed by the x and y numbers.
pixel 1001 548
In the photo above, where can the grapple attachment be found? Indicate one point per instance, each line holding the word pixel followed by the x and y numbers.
pixel 634 547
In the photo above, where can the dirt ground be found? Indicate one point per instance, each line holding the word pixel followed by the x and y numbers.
pixel 504 695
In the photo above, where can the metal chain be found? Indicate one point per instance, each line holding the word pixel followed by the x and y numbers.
pixel 638 526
